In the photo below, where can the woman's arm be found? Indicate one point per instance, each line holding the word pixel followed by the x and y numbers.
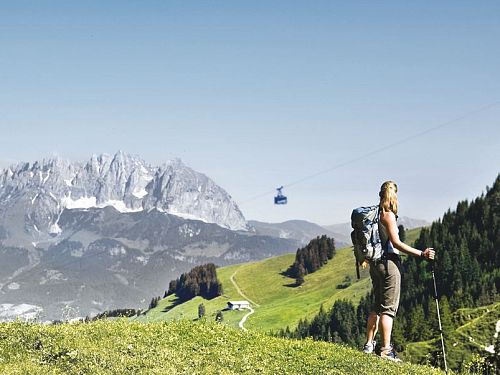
pixel 389 221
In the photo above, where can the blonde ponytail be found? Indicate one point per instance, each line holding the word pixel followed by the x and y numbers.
pixel 389 197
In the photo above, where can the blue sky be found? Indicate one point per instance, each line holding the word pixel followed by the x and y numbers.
pixel 262 94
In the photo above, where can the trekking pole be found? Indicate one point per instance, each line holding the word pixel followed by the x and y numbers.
pixel 439 318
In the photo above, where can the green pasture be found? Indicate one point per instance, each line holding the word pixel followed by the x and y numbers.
pixel 275 299
pixel 176 347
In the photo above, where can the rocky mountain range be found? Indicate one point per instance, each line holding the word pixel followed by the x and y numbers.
pixel 112 232
pixel 44 189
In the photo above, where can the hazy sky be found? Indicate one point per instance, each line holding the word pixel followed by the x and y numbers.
pixel 258 94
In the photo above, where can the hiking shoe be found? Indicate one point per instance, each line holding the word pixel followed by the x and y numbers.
pixel 369 348
pixel 389 353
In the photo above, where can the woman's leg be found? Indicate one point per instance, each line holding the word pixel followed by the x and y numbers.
pixel 392 290
pixel 386 330
pixel 373 319
pixel 371 327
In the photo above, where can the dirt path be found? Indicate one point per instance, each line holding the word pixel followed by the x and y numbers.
pixel 239 290
pixel 243 320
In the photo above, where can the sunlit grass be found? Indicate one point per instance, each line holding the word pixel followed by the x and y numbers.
pixel 277 302
pixel 182 347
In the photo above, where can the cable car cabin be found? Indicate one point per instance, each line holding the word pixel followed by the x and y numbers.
pixel 280 198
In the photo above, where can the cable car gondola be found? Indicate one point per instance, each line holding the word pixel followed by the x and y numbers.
pixel 280 198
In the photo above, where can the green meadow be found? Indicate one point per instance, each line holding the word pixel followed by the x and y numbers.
pixel 182 347
pixel 276 300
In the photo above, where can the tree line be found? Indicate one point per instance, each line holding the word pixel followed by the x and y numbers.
pixel 116 313
pixel 340 324
pixel 200 281
pixel 311 258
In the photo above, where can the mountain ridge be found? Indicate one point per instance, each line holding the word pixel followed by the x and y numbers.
pixel 300 230
pixel 44 189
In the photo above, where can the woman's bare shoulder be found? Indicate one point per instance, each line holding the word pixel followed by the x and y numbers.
pixel 387 217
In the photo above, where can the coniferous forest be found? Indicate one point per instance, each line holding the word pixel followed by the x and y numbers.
pixel 312 257
pixel 200 281
pixel 467 272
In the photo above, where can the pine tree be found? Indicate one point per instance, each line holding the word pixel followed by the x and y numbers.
pixel 312 257
pixel 398 338
pixel 446 319
pixel 201 310
pixel 200 281
pixel 219 317
pixel 417 324
pixel 402 233
pixel 299 280
pixel 154 302
pixel 343 320
pixel 172 287
pixel 319 326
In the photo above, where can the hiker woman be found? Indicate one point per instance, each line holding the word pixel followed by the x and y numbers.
pixel 385 274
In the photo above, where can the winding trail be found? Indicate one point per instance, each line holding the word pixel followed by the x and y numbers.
pixel 240 291
pixel 243 320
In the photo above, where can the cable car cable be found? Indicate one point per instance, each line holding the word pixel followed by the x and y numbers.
pixel 378 150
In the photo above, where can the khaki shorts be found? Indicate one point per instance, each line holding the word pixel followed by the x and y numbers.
pixel 386 287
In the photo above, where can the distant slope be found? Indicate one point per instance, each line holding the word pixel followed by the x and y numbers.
pixel 412 236
pixel 299 230
pixel 343 229
pixel 411 223
pixel 474 335
pixel 279 304
pixel 121 347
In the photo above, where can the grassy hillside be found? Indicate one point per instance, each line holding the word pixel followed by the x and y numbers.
pixel 123 347
pixel 476 328
pixel 276 302
pixel 412 235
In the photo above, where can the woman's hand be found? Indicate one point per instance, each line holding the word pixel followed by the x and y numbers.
pixel 428 253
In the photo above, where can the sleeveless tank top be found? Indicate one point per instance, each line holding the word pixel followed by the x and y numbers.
pixel 384 237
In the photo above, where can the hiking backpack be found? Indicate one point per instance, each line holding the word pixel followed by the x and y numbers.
pixel 365 236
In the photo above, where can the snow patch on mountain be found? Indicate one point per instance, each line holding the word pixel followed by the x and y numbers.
pixel 116 251
pixel 23 311
pixel 52 275
pixel 140 193
pixel 13 286
pixel 55 229
pixel 83 202
pixel 284 234
pixel 187 216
